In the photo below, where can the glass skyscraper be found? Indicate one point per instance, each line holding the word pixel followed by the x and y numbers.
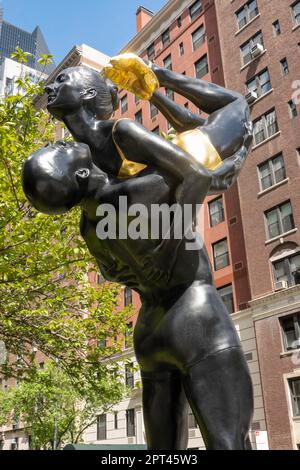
pixel 11 36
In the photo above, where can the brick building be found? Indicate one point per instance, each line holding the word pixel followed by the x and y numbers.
pixel 260 46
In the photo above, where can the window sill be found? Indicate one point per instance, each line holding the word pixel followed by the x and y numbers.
pixel 261 97
pixel 253 60
pixel 296 27
pixel 265 191
pixel 290 353
pixel 296 419
pixel 266 140
pixel 282 235
pixel 247 24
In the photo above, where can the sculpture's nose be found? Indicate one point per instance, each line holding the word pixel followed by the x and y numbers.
pixel 49 88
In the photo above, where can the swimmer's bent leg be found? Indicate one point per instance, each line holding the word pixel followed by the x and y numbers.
pixel 165 409
pixel 219 391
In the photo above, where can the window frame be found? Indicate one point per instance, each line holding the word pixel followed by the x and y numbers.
pixel 265 126
pixel 165 38
pixel 130 423
pixel 226 254
pixel 219 289
pixel 279 222
pixel 204 57
pixel 129 375
pixel 168 60
pixel 201 40
pixel 251 42
pixel 259 85
pixel 288 273
pixel 272 172
pixel 295 399
pixel 124 99
pixel 195 10
pixel 295 18
pixel 210 204
pixel 296 322
pixel 246 10
pixel 100 428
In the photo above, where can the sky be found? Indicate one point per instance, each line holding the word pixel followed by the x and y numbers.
pixel 106 25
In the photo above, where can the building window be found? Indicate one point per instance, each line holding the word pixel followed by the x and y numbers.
pixel 295 395
pixel 286 270
pixel 168 62
pixel 124 104
pixel 151 52
pixel 246 13
pixel 276 28
pixel 181 49
pixel 139 117
pixel 279 220
pixel 284 66
pixel 15 443
pixel 246 48
pixel 166 37
pixel 227 297
pixel 192 420
pixel 129 375
pixel 99 278
pixel 198 37
pixel 296 12
pixel 221 255
pixel 127 296
pixel 101 428
pixel 170 94
pixel 116 420
pixel 195 9
pixel 9 86
pixel 153 111
pixel 291 331
pixel 271 172
pixel 201 67
pixel 156 130
pixel 265 127
pixel 216 211
pixel 179 22
pixel 128 335
pixel 292 109
pixel 130 422
pixel 260 84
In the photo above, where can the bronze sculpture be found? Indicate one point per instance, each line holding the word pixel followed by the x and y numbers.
pixel 184 340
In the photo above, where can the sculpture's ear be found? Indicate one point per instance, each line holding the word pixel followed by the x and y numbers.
pixel 89 93
pixel 82 176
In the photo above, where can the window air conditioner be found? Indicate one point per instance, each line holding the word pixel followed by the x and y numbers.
pixel 281 285
pixel 251 97
pixel 256 50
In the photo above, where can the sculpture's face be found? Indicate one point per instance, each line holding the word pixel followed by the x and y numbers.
pixel 53 176
pixel 66 93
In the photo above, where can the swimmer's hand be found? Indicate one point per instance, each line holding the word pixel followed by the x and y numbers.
pixel 226 174
pixel 131 73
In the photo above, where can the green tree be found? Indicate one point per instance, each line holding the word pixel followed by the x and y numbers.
pixel 46 300
pixel 52 410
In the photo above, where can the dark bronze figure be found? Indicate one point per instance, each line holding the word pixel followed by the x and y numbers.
pixel 184 340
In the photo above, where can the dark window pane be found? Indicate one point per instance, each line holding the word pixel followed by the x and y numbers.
pixel 101 427
pixel 216 212
pixel 295 395
pixel 221 255
pixel 195 9
pixel 227 297
pixel 202 67
pixel 130 422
